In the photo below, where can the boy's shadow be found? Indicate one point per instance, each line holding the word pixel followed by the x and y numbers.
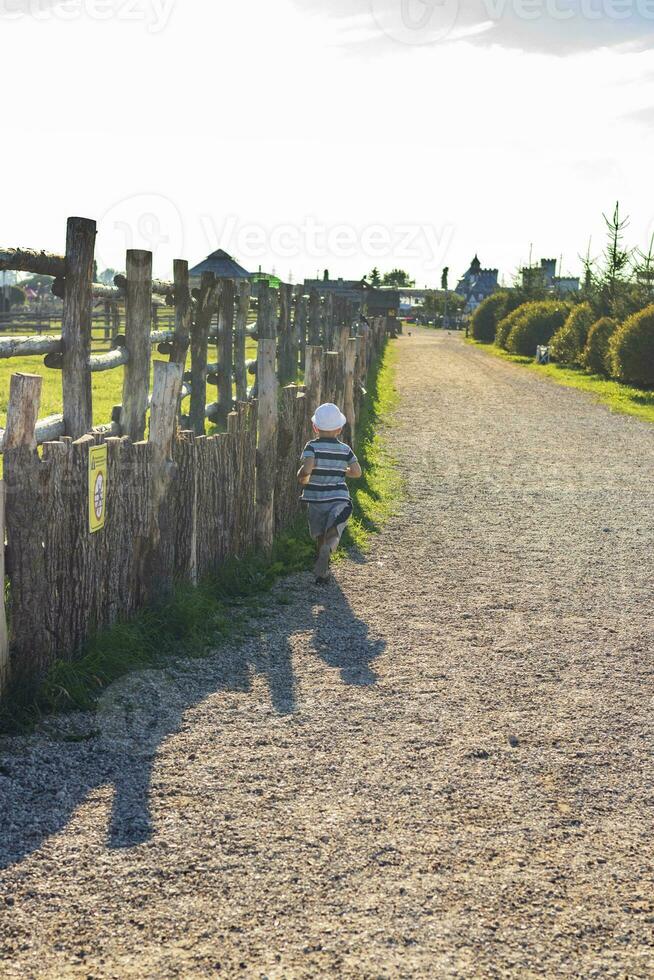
pixel 43 782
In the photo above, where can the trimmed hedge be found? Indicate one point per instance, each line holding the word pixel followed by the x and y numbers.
pixel 536 324
pixel 505 326
pixel 631 349
pixel 484 320
pixel 568 343
pixel 595 355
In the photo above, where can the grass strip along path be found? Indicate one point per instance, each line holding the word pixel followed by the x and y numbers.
pixel 438 766
pixel 619 397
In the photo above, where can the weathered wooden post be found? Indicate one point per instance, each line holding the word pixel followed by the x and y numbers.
pixel 287 347
pixel 332 377
pixel 225 353
pixel 4 641
pixel 138 312
pixel 314 318
pixel 242 310
pixel 207 298
pixel 300 325
pixel 349 408
pixel 24 531
pixel 328 322
pixel 183 312
pixel 76 326
pixel 313 378
pixel 166 389
pixel 267 443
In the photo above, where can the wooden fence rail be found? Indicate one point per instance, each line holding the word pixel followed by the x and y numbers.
pixel 174 507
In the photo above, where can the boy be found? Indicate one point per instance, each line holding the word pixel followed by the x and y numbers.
pixel 326 461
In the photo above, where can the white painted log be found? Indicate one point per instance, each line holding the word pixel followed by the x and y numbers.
pixel 27 346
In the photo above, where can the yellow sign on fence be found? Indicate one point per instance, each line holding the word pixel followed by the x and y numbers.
pixel 97 487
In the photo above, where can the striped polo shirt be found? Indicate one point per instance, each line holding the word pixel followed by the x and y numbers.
pixel 327 481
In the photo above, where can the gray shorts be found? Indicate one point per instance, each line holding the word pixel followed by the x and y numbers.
pixel 333 513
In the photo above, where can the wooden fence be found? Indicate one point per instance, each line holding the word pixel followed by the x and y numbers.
pixel 174 507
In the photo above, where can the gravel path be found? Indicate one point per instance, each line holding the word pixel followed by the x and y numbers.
pixel 440 766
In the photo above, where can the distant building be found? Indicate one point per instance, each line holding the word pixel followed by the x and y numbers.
pixel 221 264
pixel 476 285
pixel 544 276
pixel 382 301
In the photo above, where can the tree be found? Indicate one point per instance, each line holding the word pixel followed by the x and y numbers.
pixel 107 276
pixel 374 278
pixel 397 277
pixel 444 278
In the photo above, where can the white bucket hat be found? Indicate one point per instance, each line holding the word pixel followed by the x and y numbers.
pixel 328 417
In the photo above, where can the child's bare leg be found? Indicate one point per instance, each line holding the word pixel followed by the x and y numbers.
pixel 331 538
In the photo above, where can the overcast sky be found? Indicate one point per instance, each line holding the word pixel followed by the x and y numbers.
pixel 305 134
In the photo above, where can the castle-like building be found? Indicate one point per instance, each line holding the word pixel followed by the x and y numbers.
pixel 476 284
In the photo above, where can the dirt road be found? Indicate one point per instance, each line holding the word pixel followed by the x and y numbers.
pixel 440 766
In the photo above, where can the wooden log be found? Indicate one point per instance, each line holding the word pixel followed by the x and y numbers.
pixel 242 310
pixel 328 322
pixel 183 312
pixel 22 411
pixel 287 356
pixel 291 430
pixel 28 346
pixel 267 313
pixel 136 380
pixel 208 297
pixel 225 349
pixel 99 291
pixel 349 409
pixel 160 287
pixel 162 337
pixel 314 337
pixel 300 326
pixel 185 502
pixel 24 513
pixel 76 327
pixel 267 444
pixel 332 377
pixel 4 640
pixel 115 320
pixel 31 260
pixel 313 378
pixel 166 389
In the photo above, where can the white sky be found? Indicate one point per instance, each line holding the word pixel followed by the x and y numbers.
pixel 312 134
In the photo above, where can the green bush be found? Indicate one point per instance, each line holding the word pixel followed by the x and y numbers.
pixel 568 343
pixel 535 323
pixel 595 355
pixel 505 326
pixel 484 320
pixel 631 349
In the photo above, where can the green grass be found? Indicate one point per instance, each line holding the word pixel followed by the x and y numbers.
pixel 196 620
pixel 625 399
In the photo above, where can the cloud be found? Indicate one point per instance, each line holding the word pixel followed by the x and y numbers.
pixel 544 26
